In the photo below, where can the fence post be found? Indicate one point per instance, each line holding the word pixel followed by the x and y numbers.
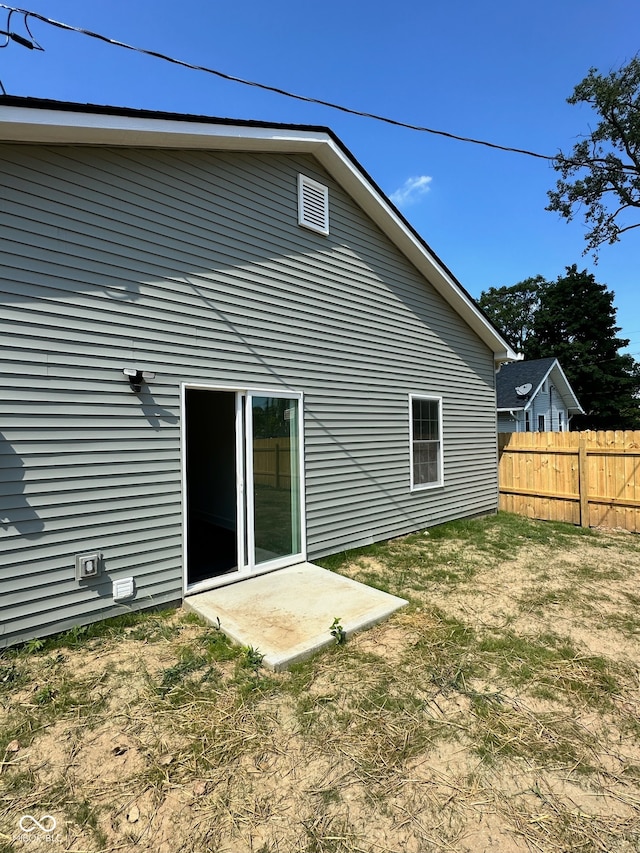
pixel 583 485
pixel 277 465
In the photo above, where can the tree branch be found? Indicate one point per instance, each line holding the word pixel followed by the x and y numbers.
pixel 594 178
pixel 613 119
pixel 628 228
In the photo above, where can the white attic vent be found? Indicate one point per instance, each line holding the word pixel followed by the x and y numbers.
pixel 313 205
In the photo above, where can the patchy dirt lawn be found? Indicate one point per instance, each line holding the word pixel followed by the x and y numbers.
pixel 499 711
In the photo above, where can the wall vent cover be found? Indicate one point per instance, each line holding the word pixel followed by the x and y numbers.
pixel 313 205
pixel 123 588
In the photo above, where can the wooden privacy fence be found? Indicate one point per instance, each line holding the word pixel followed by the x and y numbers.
pixel 272 462
pixel 586 478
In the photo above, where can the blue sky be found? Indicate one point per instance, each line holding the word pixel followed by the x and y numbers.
pixel 497 70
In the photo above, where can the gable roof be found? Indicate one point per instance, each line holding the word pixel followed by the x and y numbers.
pixel 533 372
pixel 33 120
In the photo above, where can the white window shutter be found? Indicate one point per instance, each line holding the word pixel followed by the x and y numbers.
pixel 313 205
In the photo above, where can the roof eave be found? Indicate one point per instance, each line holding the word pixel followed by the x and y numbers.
pixel 54 125
pixel 567 391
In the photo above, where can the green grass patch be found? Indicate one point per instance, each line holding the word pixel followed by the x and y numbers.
pixel 540 598
pixel 21 727
pixel 85 815
pixel 149 625
pixel 500 731
pixel 598 571
pixel 505 534
pixel 628 623
pixel 449 554
pixel 547 664
pixel 176 675
pixel 218 647
pixel 13 674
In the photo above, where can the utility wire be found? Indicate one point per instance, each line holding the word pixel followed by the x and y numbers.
pixel 396 123
pixel 30 42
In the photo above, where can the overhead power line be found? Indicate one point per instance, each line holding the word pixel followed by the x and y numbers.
pixel 265 87
pixel 30 42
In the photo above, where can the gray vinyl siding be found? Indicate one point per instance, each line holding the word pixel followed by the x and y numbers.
pixel 548 403
pixel 506 423
pixel 192 265
pixel 544 403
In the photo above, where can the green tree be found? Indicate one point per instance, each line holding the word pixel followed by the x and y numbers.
pixel 601 176
pixel 513 309
pixel 576 323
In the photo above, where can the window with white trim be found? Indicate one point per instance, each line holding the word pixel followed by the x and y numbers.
pixel 426 441
pixel 313 205
pixel 541 426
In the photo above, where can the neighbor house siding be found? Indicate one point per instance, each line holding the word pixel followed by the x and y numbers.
pixel 507 423
pixel 540 406
pixel 193 265
pixel 549 403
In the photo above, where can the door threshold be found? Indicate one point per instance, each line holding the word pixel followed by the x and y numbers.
pixel 235 577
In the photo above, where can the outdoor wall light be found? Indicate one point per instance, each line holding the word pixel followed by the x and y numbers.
pixel 137 377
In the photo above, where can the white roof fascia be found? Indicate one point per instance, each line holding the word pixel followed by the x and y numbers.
pixel 33 124
pixel 63 127
pixel 535 393
pixel 566 390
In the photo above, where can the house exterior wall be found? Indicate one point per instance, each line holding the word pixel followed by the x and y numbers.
pixel 193 265
pixel 547 403
pixel 507 423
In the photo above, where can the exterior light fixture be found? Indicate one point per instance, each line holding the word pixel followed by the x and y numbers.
pixel 137 377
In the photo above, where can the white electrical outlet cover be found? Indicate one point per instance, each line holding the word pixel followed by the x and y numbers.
pixel 88 566
pixel 123 588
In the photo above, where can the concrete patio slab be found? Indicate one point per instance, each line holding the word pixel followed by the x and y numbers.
pixel 286 615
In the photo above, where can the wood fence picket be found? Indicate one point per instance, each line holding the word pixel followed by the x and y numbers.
pixel 587 478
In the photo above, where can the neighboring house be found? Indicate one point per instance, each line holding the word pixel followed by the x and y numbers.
pixel 535 396
pixel 224 352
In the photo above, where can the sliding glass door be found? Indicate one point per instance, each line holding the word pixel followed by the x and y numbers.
pixel 244 483
pixel 273 475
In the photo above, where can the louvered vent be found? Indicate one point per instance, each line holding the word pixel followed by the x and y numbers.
pixel 313 205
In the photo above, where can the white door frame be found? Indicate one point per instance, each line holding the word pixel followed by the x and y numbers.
pixel 244 485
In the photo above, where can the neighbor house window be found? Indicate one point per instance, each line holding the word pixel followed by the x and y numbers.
pixel 561 421
pixel 541 423
pixel 426 441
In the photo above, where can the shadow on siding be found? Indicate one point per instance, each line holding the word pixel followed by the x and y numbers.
pixel 15 510
pixel 154 413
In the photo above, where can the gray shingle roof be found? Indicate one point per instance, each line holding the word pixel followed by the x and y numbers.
pixel 517 373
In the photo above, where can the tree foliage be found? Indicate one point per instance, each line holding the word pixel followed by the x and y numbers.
pixel 601 176
pixel 574 320
pixel 513 309
pixel 576 323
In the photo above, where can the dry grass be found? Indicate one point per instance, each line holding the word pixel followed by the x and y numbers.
pixel 500 711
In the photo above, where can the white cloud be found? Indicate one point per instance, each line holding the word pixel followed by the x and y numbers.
pixel 411 191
